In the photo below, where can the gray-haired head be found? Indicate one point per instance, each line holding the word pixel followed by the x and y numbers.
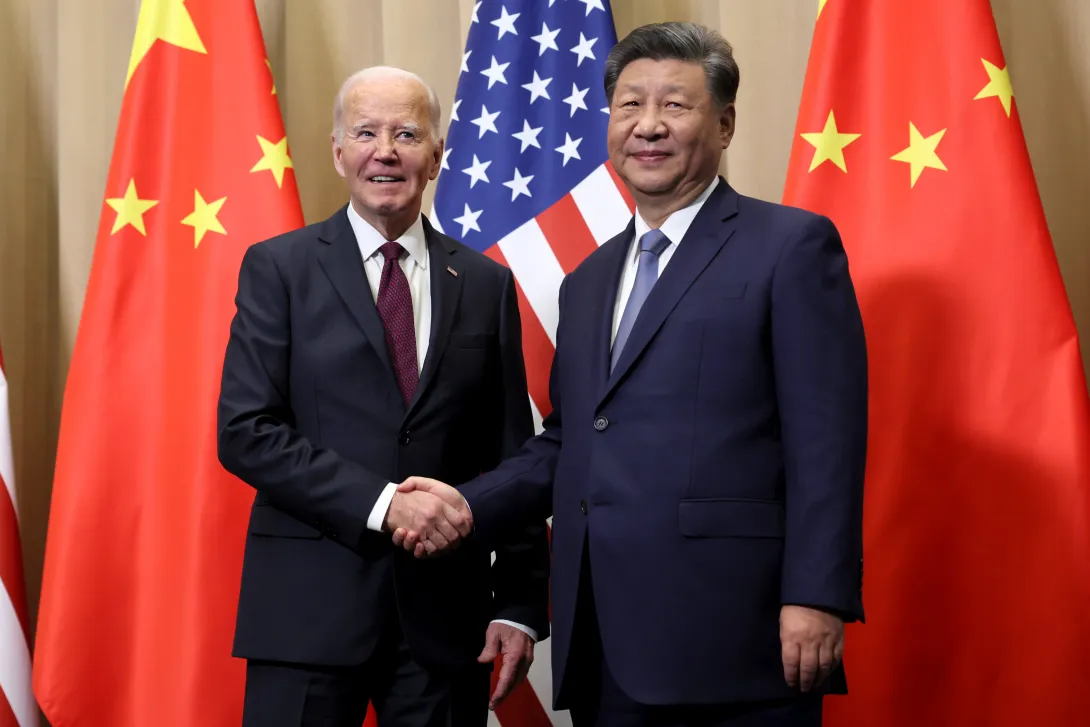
pixel 683 42
pixel 434 110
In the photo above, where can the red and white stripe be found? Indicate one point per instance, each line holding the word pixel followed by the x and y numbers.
pixel 540 253
pixel 17 706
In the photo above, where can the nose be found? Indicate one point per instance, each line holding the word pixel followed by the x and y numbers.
pixel 649 125
pixel 384 148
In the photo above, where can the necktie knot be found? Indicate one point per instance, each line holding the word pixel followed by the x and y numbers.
pixel 391 250
pixel 654 241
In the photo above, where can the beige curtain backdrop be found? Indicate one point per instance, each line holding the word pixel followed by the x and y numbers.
pixel 62 70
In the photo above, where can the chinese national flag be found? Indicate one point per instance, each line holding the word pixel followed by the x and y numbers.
pixel 146 529
pixel 977 542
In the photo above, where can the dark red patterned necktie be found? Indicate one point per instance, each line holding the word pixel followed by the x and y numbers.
pixel 395 307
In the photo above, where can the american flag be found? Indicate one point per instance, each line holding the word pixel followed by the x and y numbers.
pixel 17 706
pixel 525 180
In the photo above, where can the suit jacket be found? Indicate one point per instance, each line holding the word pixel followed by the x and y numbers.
pixel 311 417
pixel 717 472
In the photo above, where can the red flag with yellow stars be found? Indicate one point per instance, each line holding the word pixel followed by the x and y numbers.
pixel 976 530
pixel 146 530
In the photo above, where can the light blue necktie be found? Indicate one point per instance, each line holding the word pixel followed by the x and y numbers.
pixel 652 244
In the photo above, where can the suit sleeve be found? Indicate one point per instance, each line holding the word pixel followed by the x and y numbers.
pixel 520 573
pixel 519 492
pixel 820 360
pixel 257 439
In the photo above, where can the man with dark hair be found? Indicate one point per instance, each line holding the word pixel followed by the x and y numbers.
pixel 704 459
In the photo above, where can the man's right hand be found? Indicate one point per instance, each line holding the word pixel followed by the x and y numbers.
pixel 423 541
pixel 430 522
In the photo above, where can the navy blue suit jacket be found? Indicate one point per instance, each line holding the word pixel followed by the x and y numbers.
pixel 310 416
pixel 717 473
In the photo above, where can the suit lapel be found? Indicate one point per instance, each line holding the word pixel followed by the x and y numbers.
pixel 446 292
pixel 343 264
pixel 605 302
pixel 710 230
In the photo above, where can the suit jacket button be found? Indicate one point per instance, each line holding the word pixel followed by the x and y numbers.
pixel 583 506
pixel 601 423
pixel 403 438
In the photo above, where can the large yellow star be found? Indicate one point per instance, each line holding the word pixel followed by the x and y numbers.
pixel 920 153
pixel 829 144
pixel 130 209
pixel 999 84
pixel 165 20
pixel 274 158
pixel 203 217
pixel 821 6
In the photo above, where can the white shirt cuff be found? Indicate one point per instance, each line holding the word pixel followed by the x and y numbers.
pixel 529 631
pixel 377 518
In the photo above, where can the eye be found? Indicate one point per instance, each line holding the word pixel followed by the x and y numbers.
pixel 407 135
pixel 364 133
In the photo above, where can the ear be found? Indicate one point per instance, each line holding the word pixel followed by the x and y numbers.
pixel 338 163
pixel 726 124
pixel 437 158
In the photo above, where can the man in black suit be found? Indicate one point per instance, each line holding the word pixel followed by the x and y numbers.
pixel 366 348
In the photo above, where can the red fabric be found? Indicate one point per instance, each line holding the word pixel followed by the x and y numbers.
pixel 977 575
pixel 146 531
pixel 395 308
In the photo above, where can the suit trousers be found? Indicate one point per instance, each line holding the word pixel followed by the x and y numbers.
pixel 598 701
pixel 401 691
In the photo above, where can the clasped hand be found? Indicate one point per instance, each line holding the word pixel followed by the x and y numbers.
pixel 428 517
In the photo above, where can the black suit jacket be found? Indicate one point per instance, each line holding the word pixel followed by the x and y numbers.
pixel 310 416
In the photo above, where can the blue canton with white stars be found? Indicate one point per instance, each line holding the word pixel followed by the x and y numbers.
pixel 529 116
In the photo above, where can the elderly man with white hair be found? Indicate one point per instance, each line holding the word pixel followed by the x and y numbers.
pixel 365 348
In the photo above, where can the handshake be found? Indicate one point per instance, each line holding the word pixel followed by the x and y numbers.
pixel 428 517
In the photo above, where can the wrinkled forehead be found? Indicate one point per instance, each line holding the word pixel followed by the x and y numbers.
pixel 387 101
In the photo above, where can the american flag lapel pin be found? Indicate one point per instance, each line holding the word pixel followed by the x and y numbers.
pixel 452 271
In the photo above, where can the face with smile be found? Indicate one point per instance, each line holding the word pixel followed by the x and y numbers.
pixel 386 150
pixel 666 132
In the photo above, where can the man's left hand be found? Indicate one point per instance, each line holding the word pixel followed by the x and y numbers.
pixel 812 644
pixel 518 654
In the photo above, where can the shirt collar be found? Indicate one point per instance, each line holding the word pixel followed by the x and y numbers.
pixel 678 223
pixel 370 240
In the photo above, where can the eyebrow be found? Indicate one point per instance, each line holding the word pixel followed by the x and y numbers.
pixel 365 123
pixel 635 86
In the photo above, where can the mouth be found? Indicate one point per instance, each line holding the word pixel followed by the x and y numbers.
pixel 385 179
pixel 650 156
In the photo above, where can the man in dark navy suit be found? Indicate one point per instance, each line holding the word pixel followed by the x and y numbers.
pixel 366 348
pixel 704 459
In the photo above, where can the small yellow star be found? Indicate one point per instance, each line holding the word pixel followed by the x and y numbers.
pixel 274 158
pixel 166 20
pixel 821 6
pixel 999 84
pixel 270 73
pixel 130 209
pixel 829 144
pixel 203 218
pixel 920 153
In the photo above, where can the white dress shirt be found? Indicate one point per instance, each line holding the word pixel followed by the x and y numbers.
pixel 675 227
pixel 415 266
